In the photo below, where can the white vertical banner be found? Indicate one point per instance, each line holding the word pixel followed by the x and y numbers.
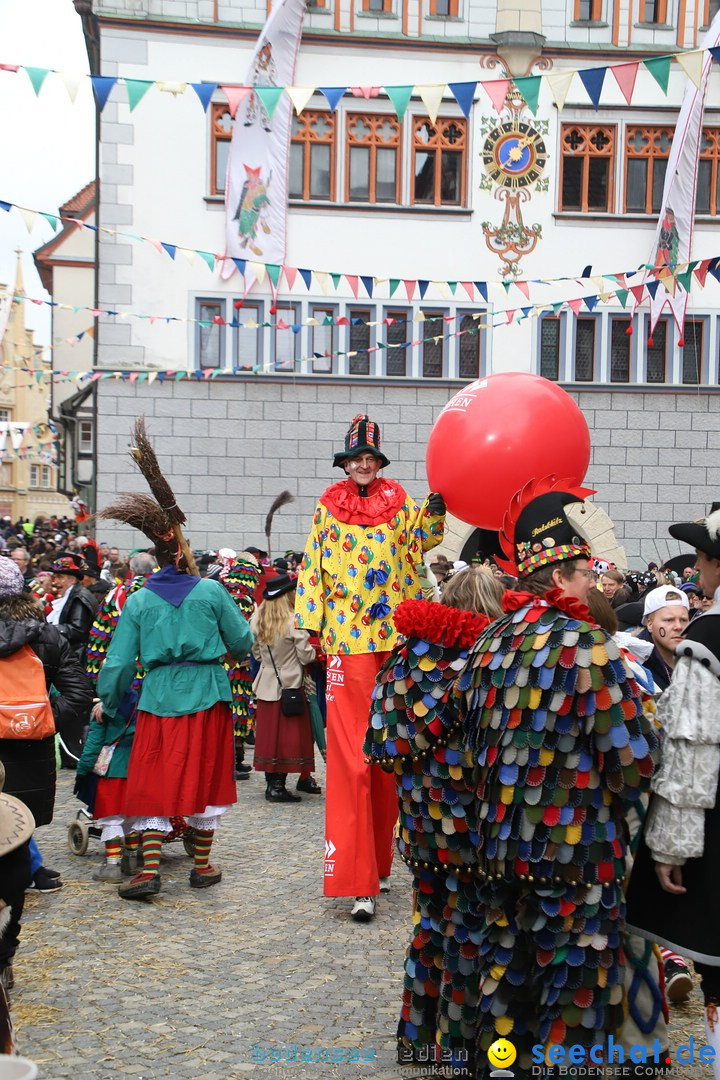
pixel 17 434
pixel 3 437
pixel 256 186
pixel 6 299
pixel 673 238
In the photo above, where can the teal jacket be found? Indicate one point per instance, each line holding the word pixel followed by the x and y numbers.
pixel 181 649
pixel 104 734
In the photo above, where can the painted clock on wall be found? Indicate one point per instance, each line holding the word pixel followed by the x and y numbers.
pixel 514 155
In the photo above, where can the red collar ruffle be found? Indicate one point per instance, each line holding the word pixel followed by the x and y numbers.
pixel 385 498
pixel 569 605
pixel 438 623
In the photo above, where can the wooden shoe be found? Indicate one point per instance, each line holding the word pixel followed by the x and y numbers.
pixel 204 880
pixel 140 886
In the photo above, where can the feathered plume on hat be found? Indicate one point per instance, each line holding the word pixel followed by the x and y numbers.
pixel 535 530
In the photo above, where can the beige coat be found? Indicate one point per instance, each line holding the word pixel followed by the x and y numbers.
pixel 290 653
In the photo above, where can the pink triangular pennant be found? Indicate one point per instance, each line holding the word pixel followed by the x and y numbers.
pixel 409 289
pixel 625 76
pixel 510 316
pixel 524 288
pixel 366 92
pixel 496 90
pixel 637 291
pixel 575 305
pixel 353 281
pixel 235 95
pixel 155 243
pixel 468 287
pixel 282 325
pixel 290 275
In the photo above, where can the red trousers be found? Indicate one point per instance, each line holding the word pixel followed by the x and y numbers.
pixel 361 805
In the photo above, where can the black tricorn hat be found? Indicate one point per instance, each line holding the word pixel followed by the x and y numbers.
pixel 536 531
pixel 363 436
pixel 703 535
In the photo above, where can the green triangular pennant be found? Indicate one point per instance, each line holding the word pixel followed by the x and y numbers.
pixel 394 282
pixel 273 272
pixel 556 306
pixel 208 258
pixel 328 321
pixel 50 218
pixel 269 96
pixel 452 286
pixel 659 68
pixel 400 98
pixel 622 295
pixel 529 87
pixel 37 77
pixel 685 279
pixel 507 285
pixel 136 90
pixel 335 280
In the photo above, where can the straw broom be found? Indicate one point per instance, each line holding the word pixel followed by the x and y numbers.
pixel 283 499
pixel 144 457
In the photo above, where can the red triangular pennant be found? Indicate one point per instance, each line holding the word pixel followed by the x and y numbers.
pixel 625 76
pixel 235 95
pixel 496 90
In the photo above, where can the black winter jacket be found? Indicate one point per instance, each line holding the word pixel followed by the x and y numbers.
pixel 76 619
pixel 30 763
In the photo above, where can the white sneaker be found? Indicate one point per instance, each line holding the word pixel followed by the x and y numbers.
pixel 385 884
pixel 363 909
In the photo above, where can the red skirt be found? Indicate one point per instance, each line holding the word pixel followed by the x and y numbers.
pixel 110 797
pixel 283 744
pixel 181 764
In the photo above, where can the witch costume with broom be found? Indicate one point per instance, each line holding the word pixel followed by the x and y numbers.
pixel 179 627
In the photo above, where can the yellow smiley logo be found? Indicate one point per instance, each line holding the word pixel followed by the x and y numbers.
pixel 501 1054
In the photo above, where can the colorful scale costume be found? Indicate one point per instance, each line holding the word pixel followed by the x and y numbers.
pixel 104 625
pixel 555 724
pixel 241 580
pixel 414 730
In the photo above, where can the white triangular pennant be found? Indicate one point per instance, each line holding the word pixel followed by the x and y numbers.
pixel 299 95
pixel 559 83
pixel 431 97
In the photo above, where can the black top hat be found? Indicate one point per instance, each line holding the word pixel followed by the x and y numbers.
pixel 278 586
pixel 363 436
pixel 703 535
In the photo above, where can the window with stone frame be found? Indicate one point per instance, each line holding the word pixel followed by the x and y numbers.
pixel 588 10
pixel 380 6
pixel 444 9
pixel 647 150
pixel 373 158
pixel 210 333
pixel 653 11
pixel 359 340
pixel 396 354
pixel 550 347
pixel 656 353
pixel 586 168
pixel 469 348
pixel 707 198
pixel 286 342
pixel 710 10
pixel 620 344
pixel 249 336
pixel 312 156
pixel 692 351
pixel 220 135
pixel 433 345
pixel 439 161
pixel 585 350
pixel 322 338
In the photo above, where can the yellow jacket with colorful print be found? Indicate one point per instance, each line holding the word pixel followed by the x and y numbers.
pixel 360 563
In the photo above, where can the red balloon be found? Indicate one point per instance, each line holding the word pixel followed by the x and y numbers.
pixel 497 434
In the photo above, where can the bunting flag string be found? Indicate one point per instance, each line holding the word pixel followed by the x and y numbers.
pixel 559 83
pixel 323 279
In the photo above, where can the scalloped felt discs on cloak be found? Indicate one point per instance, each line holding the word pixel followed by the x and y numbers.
pixel 498 433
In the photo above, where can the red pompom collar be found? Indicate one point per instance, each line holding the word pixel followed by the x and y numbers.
pixel 439 623
pixel 569 605
pixel 385 498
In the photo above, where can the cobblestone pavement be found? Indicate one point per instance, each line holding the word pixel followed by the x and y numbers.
pixel 196 984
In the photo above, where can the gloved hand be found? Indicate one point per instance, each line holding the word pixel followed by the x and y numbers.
pixel 436 504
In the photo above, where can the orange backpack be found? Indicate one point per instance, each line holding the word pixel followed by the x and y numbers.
pixel 25 710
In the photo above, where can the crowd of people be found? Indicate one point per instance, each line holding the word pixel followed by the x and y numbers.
pixel 527 728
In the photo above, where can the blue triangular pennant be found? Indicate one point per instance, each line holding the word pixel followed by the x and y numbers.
pixel 240 264
pixel 6 206
pixel 102 85
pixel 593 79
pixel 714 268
pixel 205 92
pixel 423 288
pixel 368 282
pixel 481 287
pixel 306 275
pixel 170 248
pixel 333 95
pixel 464 92
pixel 591 302
pixel 715 53
pixel 652 287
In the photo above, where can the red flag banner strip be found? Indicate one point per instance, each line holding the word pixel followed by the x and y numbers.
pixel 593 79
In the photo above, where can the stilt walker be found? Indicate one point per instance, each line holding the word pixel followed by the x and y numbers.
pixel 360 561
